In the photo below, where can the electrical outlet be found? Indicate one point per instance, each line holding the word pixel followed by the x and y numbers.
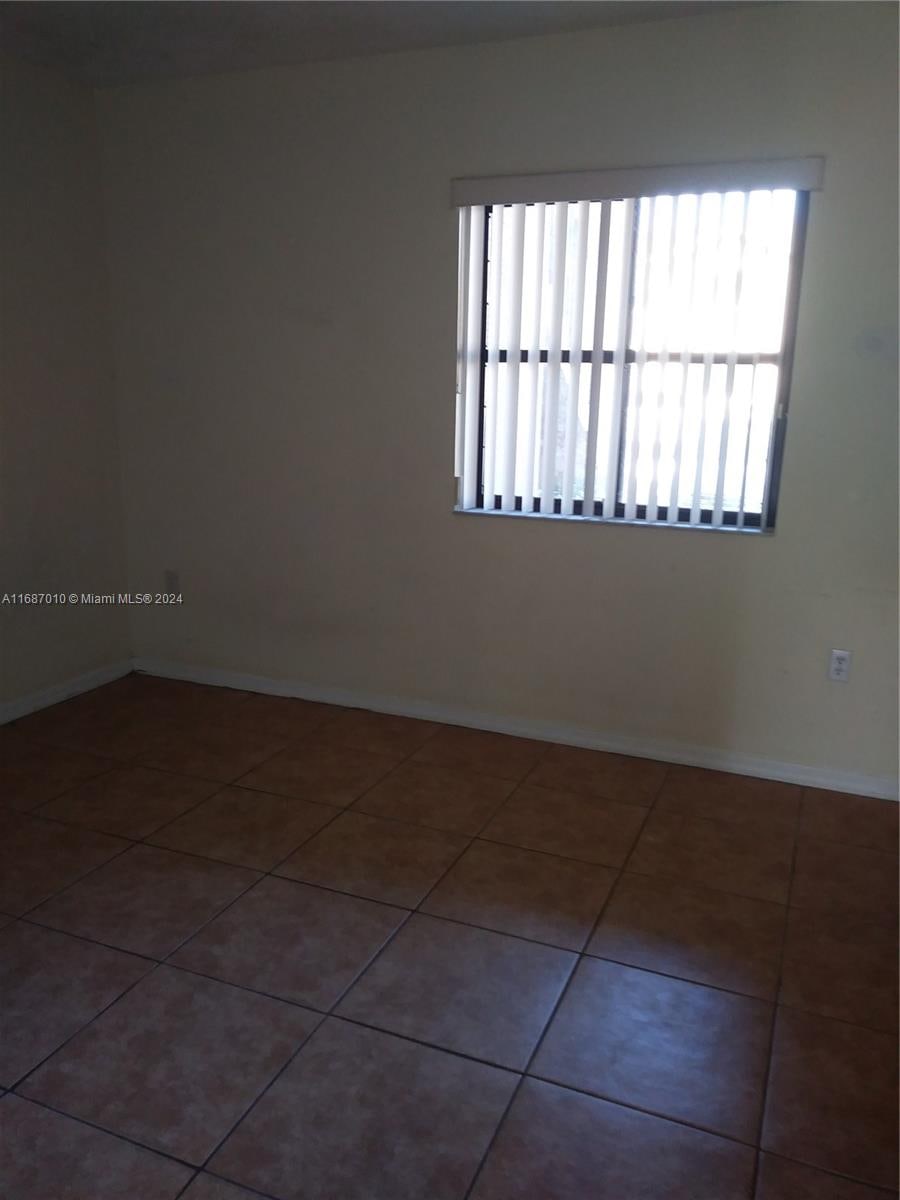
pixel 839 666
pixel 171 582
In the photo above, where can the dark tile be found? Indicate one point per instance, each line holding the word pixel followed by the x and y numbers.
pixel 297 942
pixel 715 854
pixel 250 829
pixel 559 1145
pixel 832 1099
pixel 321 771
pixel 174 1063
pixel 123 735
pixel 841 965
pixel 46 772
pixel 783 1180
pixel 283 716
pixel 674 1048
pixel 50 986
pixel 679 929
pixel 147 901
pixel 131 802
pixel 14 745
pixel 212 751
pixel 44 1156
pixel 592 830
pixel 760 805
pixel 361 1115
pixel 208 1187
pixel 464 989
pixel 852 820
pixel 37 858
pixel 456 801
pixel 483 752
pixel 179 698
pixel 597 773
pixel 845 879
pixel 380 733
pixel 383 860
pixel 538 896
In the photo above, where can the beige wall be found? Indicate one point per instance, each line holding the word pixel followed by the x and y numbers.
pixel 60 498
pixel 284 269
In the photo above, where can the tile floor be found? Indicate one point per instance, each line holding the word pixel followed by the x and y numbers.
pixel 253 946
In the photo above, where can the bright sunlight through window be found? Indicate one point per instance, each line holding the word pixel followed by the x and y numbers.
pixel 628 358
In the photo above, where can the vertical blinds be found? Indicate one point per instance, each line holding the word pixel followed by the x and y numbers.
pixel 626 357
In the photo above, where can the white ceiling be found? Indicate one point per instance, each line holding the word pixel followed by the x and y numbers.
pixel 105 43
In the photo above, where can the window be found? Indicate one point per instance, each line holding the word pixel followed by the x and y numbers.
pixel 625 354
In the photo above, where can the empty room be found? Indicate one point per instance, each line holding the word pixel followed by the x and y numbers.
pixel 449 600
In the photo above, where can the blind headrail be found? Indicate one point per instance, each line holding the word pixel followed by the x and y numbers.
pixel 620 183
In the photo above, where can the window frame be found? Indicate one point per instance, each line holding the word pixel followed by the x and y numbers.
pixel 764 522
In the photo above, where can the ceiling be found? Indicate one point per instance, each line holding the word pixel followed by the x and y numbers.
pixel 104 43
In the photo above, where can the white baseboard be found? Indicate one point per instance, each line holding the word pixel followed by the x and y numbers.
pixel 547 731
pixel 11 710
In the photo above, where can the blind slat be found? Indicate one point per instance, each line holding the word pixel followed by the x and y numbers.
pixel 554 357
pixel 492 366
pixel 730 368
pixel 532 367
pixel 567 499
pixel 590 461
pixel 512 342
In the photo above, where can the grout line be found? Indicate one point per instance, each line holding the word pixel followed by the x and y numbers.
pixel 331 1014
pixel 764 1091
pixel 335 1003
pixel 553 1012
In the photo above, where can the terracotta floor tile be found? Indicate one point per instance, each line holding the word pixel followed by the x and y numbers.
pixel 283 717
pixel 675 1048
pixel 845 879
pixel 147 901
pixel 44 773
pixel 212 751
pixel 297 942
pixel 50 986
pixel 361 1115
pixel 763 805
pixel 379 733
pixel 321 771
pixel 44 1156
pixel 250 829
pixel 783 1180
pixel 382 860
pixel 174 1063
pixel 483 752
pixel 208 1187
pixel 538 896
pixel 559 1145
pixel 715 854
pixel 130 801
pixel 852 820
pixel 37 858
pixel 698 934
pixel 14 745
pixel 440 797
pixel 51 725
pixel 592 830
pixel 841 965
pixel 832 1099
pixel 597 773
pixel 122 736
pixel 464 989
